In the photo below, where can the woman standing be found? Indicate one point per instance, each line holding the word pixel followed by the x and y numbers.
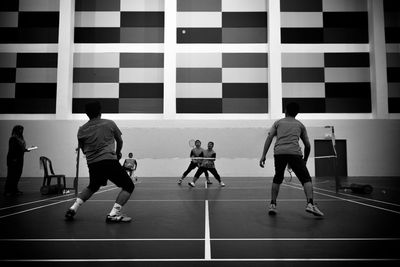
pixel 15 161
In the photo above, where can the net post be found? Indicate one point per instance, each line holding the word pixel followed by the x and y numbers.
pixel 77 171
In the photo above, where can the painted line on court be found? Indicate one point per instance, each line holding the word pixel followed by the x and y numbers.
pixel 207 242
pixel 41 200
pixel 47 205
pixel 364 198
pixel 199 239
pixel 354 196
pixel 211 260
pixel 348 200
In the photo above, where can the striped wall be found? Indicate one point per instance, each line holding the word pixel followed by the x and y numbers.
pixel 28 81
pixel 119 21
pixel 124 82
pixel 324 21
pixel 326 82
pixel 222 82
pixel 392 36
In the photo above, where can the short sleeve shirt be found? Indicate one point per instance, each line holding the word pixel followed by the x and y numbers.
pixel 97 138
pixel 288 131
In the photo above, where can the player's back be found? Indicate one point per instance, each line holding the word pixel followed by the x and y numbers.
pixel 97 138
pixel 288 132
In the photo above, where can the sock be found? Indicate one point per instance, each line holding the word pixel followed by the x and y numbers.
pixel 116 209
pixel 77 203
pixel 273 202
pixel 311 201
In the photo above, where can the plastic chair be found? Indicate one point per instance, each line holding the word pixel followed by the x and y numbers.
pixel 48 175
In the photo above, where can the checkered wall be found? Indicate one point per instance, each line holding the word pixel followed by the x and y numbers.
pixel 392 36
pixel 222 82
pixel 327 82
pixel 122 82
pixel 28 81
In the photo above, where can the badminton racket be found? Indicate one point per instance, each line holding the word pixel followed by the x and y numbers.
pixel 192 143
pixel 289 177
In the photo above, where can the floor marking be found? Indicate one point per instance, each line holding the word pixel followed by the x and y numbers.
pixel 348 200
pixel 41 200
pixel 364 198
pixel 207 242
pixel 51 204
pixel 198 239
pixel 205 260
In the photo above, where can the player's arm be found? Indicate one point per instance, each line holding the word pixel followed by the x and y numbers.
pixel 267 144
pixel 214 156
pixel 134 165
pixel 118 140
pixel 306 142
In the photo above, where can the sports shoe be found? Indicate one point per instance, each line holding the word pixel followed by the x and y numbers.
pixel 314 210
pixel 117 218
pixel 191 184
pixel 272 209
pixel 69 215
pixel 222 184
pixel 180 181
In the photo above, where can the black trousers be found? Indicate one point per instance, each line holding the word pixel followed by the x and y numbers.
pixel 212 170
pixel 296 163
pixel 14 172
pixel 191 167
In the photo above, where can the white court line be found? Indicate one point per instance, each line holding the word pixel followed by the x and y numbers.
pixel 41 200
pixel 355 196
pixel 213 200
pixel 199 239
pixel 364 198
pixel 348 200
pixel 207 242
pixel 47 205
pixel 211 260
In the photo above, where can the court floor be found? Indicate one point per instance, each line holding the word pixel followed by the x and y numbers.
pixel 205 226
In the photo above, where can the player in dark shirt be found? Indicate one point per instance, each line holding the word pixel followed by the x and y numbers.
pixel 207 164
pixel 97 140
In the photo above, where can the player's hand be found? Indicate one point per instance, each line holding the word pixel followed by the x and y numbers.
pixel 262 162
pixel 119 155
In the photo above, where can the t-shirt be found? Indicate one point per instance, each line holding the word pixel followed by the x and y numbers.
pixel 130 163
pixel 288 131
pixel 196 152
pixel 97 138
pixel 207 163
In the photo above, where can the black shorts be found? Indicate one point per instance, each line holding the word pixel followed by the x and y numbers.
pixel 101 171
pixel 296 163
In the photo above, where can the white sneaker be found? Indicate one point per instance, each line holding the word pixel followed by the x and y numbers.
pixel 191 184
pixel 118 218
pixel 222 184
pixel 314 210
pixel 272 209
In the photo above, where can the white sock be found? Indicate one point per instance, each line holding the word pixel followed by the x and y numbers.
pixel 116 209
pixel 77 203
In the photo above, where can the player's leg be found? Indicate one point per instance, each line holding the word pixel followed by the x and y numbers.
pixel 207 177
pixel 120 178
pixel 280 162
pixel 199 171
pixel 191 166
pixel 300 169
pixel 216 175
pixel 96 179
